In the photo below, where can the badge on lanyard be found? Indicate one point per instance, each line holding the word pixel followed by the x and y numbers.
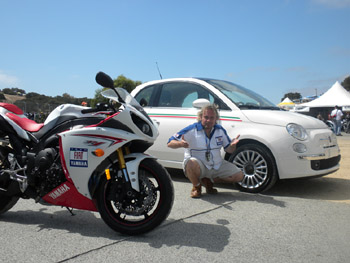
pixel 207 156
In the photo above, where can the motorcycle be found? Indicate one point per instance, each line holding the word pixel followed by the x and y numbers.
pixel 87 158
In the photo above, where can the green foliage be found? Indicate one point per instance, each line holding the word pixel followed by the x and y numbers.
pixel 42 104
pixel 292 96
pixel 2 97
pixel 14 91
pixel 120 82
pixel 346 83
pixel 125 83
pixel 98 98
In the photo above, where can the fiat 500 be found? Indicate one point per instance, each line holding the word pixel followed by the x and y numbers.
pixel 274 144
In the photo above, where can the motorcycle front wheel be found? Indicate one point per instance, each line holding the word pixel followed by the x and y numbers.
pixel 142 211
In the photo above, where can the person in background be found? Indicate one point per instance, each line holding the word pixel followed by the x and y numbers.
pixel 203 163
pixel 320 117
pixel 337 115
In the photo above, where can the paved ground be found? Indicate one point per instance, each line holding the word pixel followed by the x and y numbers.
pixel 297 221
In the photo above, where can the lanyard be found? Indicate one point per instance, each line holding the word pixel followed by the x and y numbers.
pixel 207 142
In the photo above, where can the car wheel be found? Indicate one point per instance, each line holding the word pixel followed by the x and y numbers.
pixel 258 166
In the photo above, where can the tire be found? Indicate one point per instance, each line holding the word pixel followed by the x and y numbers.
pixel 6 202
pixel 258 165
pixel 146 209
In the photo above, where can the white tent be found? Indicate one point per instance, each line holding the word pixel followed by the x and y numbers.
pixel 336 95
pixel 286 104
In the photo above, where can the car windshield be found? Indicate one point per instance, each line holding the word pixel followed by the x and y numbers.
pixel 242 97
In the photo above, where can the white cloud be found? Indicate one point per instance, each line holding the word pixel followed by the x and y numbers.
pixel 8 81
pixel 333 3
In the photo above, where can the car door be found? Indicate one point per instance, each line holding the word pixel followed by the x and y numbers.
pixel 170 106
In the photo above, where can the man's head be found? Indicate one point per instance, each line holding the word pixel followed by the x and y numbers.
pixel 208 116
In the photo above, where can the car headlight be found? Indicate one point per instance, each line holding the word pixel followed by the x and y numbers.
pixel 297 131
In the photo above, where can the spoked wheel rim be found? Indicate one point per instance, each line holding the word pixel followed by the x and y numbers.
pixel 254 166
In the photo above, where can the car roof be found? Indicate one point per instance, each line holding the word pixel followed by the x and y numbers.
pixel 172 79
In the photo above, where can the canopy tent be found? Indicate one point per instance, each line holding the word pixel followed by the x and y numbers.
pixel 336 95
pixel 286 104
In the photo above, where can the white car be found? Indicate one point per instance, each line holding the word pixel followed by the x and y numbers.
pixel 274 144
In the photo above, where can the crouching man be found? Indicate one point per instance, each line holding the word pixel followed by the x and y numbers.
pixel 203 164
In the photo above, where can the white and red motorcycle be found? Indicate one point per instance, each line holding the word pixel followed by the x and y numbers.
pixel 87 158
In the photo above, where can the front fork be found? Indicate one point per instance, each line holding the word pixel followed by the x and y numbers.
pixel 130 169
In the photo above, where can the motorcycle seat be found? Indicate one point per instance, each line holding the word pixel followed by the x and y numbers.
pixel 25 123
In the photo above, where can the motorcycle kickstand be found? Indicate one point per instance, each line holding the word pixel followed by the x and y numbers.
pixel 70 211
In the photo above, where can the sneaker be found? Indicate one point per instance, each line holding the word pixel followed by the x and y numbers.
pixel 208 184
pixel 196 191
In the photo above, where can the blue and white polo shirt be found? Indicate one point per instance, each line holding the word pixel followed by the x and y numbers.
pixel 200 144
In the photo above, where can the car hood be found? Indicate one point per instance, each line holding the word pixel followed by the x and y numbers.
pixel 282 118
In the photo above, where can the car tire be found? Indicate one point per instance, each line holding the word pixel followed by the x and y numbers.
pixel 258 165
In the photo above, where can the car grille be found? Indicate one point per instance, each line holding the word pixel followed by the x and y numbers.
pixel 325 164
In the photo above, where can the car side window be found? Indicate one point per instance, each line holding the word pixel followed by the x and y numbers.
pixel 181 94
pixel 146 96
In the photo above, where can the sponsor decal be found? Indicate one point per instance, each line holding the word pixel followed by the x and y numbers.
pixel 112 140
pixel 59 191
pixel 187 116
pixel 219 140
pixel 93 143
pixel 78 157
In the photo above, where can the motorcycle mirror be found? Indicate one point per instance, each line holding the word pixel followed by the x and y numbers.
pixel 104 80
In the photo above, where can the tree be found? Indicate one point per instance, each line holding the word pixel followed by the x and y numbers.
pixel 120 82
pixel 346 83
pixel 292 96
pixel 125 83
pixel 14 91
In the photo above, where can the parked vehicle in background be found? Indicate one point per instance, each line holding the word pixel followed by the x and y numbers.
pixel 274 144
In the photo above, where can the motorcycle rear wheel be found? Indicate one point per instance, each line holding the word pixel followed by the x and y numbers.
pixel 6 202
pixel 146 210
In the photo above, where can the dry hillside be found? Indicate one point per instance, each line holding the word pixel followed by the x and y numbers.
pixel 13 98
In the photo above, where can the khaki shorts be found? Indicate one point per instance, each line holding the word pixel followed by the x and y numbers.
pixel 226 169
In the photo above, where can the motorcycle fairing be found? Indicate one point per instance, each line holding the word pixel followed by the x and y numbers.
pixel 12 108
pixel 17 128
pixel 77 153
pixel 68 196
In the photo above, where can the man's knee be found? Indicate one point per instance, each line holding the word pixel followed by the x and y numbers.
pixel 238 177
pixel 192 167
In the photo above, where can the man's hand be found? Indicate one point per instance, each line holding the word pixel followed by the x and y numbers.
pixel 178 144
pixel 184 142
pixel 233 144
pixel 235 141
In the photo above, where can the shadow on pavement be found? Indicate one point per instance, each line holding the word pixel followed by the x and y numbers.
pixel 212 237
pixel 83 222
pixel 322 188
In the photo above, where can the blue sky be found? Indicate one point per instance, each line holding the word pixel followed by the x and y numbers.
pixel 272 47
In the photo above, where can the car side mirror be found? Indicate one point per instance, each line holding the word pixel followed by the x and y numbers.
pixel 200 103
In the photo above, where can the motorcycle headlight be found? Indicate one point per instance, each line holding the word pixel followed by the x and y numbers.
pixel 142 125
pixel 297 131
pixel 145 128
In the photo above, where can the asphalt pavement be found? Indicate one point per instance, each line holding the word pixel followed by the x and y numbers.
pixel 229 227
pixel 296 221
